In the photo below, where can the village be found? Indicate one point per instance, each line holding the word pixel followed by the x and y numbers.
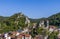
pixel 26 32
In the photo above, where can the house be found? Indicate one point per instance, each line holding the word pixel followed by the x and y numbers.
pixel 19 37
pixel 58 36
pixel 8 37
pixel 1 36
pixel 15 33
pixel 52 28
pixel 5 36
pixel 56 30
pixel 25 30
pixel 13 37
pixel 59 30
pixel 27 36
pixel 24 36
pixel 39 37
pixel 34 25
pixel 46 37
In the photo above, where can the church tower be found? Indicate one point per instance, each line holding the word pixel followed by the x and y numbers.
pixel 41 24
pixel 47 23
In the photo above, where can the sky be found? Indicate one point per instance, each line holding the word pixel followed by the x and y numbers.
pixel 31 8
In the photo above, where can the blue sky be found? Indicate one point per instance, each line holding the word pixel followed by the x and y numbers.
pixel 31 8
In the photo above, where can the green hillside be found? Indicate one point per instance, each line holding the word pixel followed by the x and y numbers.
pixel 17 21
pixel 55 19
pixel 12 23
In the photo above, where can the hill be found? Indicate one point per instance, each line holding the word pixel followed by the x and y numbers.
pixel 55 19
pixel 17 21
pixel 12 23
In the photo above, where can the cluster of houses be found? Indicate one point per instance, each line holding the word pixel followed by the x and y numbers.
pixel 50 28
pixel 15 35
